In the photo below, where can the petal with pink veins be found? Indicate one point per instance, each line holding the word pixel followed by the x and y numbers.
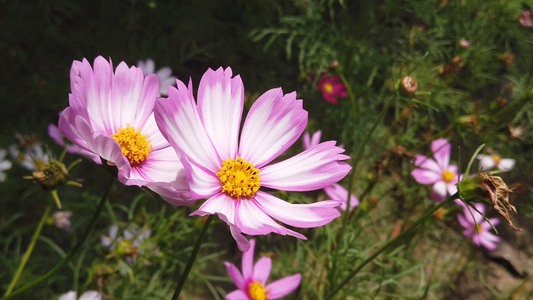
pixel 220 104
pixel 313 169
pixel 274 122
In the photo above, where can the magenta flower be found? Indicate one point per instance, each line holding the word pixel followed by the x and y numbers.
pixel 477 228
pixel 252 281
pixel 164 75
pixel 111 116
pixel 229 171
pixel 334 191
pixel 525 19
pixel 332 88
pixel 437 171
pixel 489 162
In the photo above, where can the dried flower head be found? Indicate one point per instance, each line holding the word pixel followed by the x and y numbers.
pixel 491 189
pixel 50 175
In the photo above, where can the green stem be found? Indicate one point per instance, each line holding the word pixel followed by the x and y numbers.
pixel 72 252
pixel 192 258
pixel 358 155
pixel 392 242
pixel 29 251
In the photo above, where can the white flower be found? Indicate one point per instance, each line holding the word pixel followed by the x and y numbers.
pixel 4 165
pixel 89 295
pixel 164 75
pixel 61 220
pixel 488 162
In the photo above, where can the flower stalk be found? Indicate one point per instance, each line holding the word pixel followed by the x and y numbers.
pixel 29 251
pixel 192 258
pixel 72 252
pixel 396 241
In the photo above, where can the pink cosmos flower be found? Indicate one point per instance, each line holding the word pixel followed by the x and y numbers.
pixel 164 75
pixel 111 115
pixel 252 281
pixel 332 88
pixel 334 191
pixel 488 162
pixel 477 228
pixel 229 171
pixel 437 171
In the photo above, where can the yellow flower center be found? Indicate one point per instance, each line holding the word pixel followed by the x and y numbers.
pixel 328 87
pixel 257 291
pixel 477 228
pixel 239 178
pixel 135 146
pixel 447 176
pixel 496 159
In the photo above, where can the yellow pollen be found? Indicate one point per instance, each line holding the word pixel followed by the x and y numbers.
pixel 496 159
pixel 328 87
pixel 135 146
pixel 257 291
pixel 447 176
pixel 239 178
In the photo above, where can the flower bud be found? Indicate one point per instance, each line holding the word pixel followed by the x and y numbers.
pixel 408 85
pixel 51 175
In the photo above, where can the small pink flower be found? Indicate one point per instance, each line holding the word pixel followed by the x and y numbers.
pixel 332 88
pixel 464 43
pixel 111 116
pixel 477 228
pixel 334 191
pixel 228 166
pixel 252 281
pixel 525 19
pixel 488 162
pixel 437 171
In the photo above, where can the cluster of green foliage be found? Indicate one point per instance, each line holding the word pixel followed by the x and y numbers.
pixel 470 95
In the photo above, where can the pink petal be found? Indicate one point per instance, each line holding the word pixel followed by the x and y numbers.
pixel 202 182
pixel 426 163
pixel 313 169
pixel 53 132
pixel 220 104
pixel 424 176
pixel 338 192
pixel 298 215
pixel 306 140
pixel 273 124
pixel 248 261
pixel 309 142
pixel 220 204
pixel 261 270
pixel 283 287
pixel 439 191
pixel 235 275
pixel 180 124
pixel 250 219
pixel 237 295
pixel 441 151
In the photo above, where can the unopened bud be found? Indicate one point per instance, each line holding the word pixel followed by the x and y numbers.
pixel 464 43
pixel 408 85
